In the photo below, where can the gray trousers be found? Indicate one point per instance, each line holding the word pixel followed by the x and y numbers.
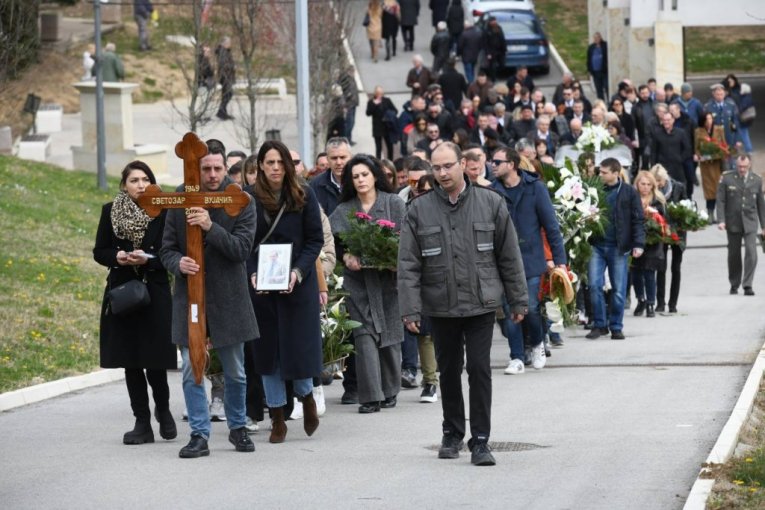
pixel 143 32
pixel 378 369
pixel 734 258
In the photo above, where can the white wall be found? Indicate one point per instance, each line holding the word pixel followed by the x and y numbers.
pixel 697 13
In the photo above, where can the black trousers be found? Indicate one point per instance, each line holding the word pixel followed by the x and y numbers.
pixel 388 146
pixel 407 32
pixel 139 394
pixel 453 338
pixel 227 92
pixel 600 80
pixel 661 278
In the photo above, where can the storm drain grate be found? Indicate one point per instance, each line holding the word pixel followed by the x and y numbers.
pixel 501 446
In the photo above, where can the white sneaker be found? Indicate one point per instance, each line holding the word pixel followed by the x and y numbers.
pixel 251 426
pixel 515 367
pixel 217 410
pixel 297 410
pixel 318 396
pixel 538 357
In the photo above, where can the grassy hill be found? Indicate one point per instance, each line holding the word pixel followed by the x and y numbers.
pixel 50 286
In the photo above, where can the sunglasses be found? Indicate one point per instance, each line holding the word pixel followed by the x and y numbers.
pixel 296 162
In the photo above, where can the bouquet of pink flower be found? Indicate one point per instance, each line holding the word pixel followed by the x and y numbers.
pixel 374 242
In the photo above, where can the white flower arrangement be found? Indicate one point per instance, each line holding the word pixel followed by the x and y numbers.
pixel 594 138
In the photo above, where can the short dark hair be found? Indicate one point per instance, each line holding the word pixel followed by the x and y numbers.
pixel 651 80
pixel 642 87
pixel 415 164
pixel 236 154
pixel 320 155
pixel 216 147
pixel 612 164
pixel 236 168
pixel 137 165
pixel 511 155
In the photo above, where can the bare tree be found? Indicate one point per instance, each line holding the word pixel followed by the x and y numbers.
pixel 249 20
pixel 330 24
pixel 200 87
pixel 19 37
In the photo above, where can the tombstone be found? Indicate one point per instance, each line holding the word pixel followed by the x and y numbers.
pixel 191 149
pixel 118 117
pixel 49 118
pixel 6 139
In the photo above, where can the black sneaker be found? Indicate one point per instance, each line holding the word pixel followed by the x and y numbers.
pixel 481 455
pixel 197 447
pixel 408 379
pixel 748 291
pixel 389 402
pixel 617 335
pixel 241 440
pixel 429 394
pixel 450 447
pixel 596 333
pixel 349 397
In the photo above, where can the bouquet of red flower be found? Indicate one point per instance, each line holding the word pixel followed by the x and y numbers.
pixel 374 242
pixel 657 230
pixel 711 148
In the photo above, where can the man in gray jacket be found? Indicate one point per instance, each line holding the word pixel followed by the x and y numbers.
pixel 458 255
pixel 230 317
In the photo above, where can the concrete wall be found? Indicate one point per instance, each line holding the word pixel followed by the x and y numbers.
pixel 700 13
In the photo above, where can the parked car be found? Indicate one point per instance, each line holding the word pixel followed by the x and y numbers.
pixel 527 43
pixel 478 7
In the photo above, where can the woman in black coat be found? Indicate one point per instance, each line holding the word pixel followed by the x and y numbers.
pixel 289 348
pixel 390 20
pixel 384 115
pixel 127 242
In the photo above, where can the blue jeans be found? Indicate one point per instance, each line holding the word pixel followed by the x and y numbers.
pixel 276 392
pixel 409 352
pixel 644 282
pixel 533 321
pixel 469 73
pixel 350 121
pixel 743 136
pixel 608 257
pixel 232 359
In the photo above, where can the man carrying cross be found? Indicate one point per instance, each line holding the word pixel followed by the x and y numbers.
pixel 230 318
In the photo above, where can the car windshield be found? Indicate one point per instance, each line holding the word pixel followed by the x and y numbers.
pixel 518 27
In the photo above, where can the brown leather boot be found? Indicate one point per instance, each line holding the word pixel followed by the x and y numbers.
pixel 278 426
pixel 310 414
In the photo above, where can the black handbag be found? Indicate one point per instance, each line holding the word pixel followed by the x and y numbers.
pixel 128 297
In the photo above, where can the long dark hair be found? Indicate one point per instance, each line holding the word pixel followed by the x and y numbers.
pixel 381 182
pixel 292 195
pixel 136 165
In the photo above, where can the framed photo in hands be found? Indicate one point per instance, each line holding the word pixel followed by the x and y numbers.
pixel 274 266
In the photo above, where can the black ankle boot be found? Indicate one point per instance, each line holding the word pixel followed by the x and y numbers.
pixel 394 47
pixel 640 308
pixel 141 433
pixel 649 311
pixel 167 427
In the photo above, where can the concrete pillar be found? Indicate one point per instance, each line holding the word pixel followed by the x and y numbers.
pixel 618 38
pixel 668 49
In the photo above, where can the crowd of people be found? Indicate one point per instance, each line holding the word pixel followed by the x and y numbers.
pixel 478 235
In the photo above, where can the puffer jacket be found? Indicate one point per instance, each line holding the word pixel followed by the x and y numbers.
pixel 458 260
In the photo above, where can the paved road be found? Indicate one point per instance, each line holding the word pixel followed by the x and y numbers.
pixel 605 425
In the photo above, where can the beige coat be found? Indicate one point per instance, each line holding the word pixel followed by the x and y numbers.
pixel 374 29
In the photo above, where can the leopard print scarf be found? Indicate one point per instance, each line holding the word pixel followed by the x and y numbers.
pixel 129 221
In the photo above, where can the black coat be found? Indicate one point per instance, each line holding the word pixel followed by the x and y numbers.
pixel 455 18
pixel 326 192
pixel 410 10
pixel 377 112
pixel 290 333
pixel 591 51
pixel 470 45
pixel 670 149
pixel 439 8
pixel 453 85
pixel 389 24
pixel 495 44
pixel 141 339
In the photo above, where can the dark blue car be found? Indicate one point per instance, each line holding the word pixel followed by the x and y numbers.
pixel 526 41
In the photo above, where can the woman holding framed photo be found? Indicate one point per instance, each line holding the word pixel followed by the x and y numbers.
pixel 127 242
pixel 286 302
pixel 373 298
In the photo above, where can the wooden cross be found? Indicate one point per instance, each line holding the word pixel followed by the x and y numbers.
pixel 191 150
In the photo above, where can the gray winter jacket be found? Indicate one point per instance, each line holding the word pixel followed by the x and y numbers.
pixel 458 260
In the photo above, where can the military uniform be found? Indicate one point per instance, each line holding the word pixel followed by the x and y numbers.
pixel 740 205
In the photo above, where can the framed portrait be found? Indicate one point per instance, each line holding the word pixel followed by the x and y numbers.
pixel 274 266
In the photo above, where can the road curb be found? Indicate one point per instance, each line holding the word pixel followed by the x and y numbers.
pixel 728 439
pixel 558 60
pixel 44 391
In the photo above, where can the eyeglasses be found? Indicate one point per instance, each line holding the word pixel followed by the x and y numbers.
pixel 497 162
pixel 296 162
pixel 445 167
